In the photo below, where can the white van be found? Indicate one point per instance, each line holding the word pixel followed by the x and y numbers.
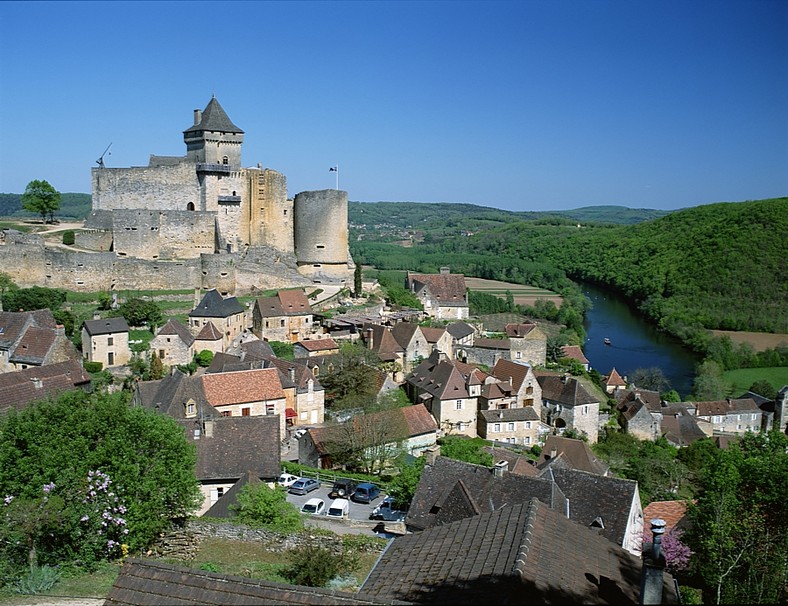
pixel 339 509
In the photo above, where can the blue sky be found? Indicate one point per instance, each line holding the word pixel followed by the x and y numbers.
pixel 514 105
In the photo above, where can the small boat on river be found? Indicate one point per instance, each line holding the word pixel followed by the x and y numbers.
pixel 608 341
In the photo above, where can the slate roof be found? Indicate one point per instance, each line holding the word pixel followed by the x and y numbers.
pixel 518 465
pixel 438 377
pixel 383 342
pixel 451 490
pixel 460 330
pixel 106 326
pixel 14 323
pixel 523 553
pixel 176 329
pixel 503 344
pixel 578 454
pixel 169 395
pixel 526 413
pixel 569 392
pixel 652 399
pixel 403 332
pixel 256 350
pixel 18 389
pixel 214 119
pixel 238 445
pixel 148 582
pixel 447 289
pixel 284 303
pixel 592 496
pixel 432 335
pixel 724 407
pixel 301 374
pixel 679 427
pixel 213 305
pixel 241 387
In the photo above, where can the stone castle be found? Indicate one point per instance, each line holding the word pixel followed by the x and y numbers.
pixel 199 220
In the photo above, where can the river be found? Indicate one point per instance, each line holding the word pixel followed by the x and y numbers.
pixel 634 343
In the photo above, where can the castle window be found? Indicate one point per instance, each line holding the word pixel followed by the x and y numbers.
pixel 320 246
pixel 225 160
pixel 285 212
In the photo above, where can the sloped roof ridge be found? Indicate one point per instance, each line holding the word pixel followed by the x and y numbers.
pixel 528 534
pixel 214 118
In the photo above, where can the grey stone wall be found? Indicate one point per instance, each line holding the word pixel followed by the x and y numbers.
pixel 321 235
pixel 218 271
pixel 153 188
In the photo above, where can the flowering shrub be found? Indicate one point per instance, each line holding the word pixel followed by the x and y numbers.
pixel 102 523
pixel 677 554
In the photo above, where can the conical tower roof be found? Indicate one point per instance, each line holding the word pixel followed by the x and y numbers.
pixel 215 119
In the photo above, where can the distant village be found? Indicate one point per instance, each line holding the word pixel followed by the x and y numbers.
pixel 250 410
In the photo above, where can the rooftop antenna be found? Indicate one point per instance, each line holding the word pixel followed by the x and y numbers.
pixel 100 161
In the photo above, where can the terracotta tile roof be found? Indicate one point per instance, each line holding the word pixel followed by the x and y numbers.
pixel 415 421
pixel 506 370
pixel 681 430
pixel 575 353
pixel 673 512
pixel 503 344
pixel 383 341
pixel 34 346
pixel 209 332
pixel 20 388
pixel 154 582
pixel 241 387
pixel 518 330
pixel 614 379
pixel 432 335
pixel 284 303
pixel 318 344
pixel 519 554
pixel 448 289
pixel 213 305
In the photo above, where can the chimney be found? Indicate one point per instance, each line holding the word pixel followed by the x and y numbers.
pixel 500 469
pixel 209 428
pixel 197 117
pixel 370 338
pixel 653 566
pixel 445 271
pixel 432 453
pixel 96 316
pixel 37 383
pixel 291 372
pixel 196 296
pixel 553 453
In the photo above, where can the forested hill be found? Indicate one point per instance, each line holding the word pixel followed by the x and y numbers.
pixel 428 216
pixel 72 206
pixel 718 266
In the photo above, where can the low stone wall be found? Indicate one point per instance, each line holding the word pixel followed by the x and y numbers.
pixel 184 543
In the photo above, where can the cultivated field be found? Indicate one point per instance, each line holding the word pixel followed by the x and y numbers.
pixel 523 295
pixel 759 340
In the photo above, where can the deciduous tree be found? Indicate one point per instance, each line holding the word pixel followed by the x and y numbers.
pixel 41 198
pixel 261 506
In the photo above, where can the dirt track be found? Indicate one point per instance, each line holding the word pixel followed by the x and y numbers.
pixel 759 340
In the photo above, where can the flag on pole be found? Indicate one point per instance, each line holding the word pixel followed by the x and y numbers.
pixel 333 169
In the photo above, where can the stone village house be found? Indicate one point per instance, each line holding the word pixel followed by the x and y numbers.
pixel 285 317
pixel 106 341
pixel 227 316
pixel 32 338
pixel 443 295
pixel 173 344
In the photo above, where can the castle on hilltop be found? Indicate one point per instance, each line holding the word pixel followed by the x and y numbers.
pixel 199 220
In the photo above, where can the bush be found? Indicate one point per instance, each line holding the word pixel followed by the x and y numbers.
pixel 68 237
pixel 37 580
pixel 204 358
pixel 93 367
pixel 261 506
pixel 313 565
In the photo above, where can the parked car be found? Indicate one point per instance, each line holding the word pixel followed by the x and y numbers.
pixel 366 493
pixel 343 488
pixel 287 480
pixel 340 508
pixel 304 486
pixel 314 507
pixel 387 512
pixel 298 433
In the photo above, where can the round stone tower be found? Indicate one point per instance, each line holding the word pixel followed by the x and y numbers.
pixel 321 235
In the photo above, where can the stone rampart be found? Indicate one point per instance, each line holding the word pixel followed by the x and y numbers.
pixel 321 234
pixel 170 187
pixel 218 271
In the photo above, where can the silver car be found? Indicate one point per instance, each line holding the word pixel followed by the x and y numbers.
pixel 304 486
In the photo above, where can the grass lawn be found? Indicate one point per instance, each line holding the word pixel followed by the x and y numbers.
pixel 93 585
pixel 742 378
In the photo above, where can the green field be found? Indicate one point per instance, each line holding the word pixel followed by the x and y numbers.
pixel 742 378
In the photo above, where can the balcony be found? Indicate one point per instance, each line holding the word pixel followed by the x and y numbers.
pixel 229 199
pixel 204 167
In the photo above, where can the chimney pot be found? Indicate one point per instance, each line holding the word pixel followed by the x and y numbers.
pixel 197 117
pixel 500 468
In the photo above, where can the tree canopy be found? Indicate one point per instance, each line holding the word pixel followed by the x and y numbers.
pixel 41 198
pixel 66 463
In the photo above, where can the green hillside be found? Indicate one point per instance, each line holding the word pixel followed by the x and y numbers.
pixel 72 206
